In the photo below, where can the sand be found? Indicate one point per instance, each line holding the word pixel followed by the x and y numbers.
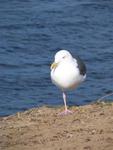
pixel 90 127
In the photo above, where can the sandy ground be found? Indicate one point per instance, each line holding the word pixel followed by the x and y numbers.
pixel 90 127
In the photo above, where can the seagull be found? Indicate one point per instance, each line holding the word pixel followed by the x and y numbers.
pixel 67 73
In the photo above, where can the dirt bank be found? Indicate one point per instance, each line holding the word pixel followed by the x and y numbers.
pixel 90 127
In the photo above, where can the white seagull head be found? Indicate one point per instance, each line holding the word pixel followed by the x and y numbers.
pixel 62 55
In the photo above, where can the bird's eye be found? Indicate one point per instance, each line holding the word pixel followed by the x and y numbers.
pixel 63 57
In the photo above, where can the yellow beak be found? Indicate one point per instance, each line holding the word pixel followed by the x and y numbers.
pixel 54 65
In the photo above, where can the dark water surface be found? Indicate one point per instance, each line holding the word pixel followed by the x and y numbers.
pixel 31 31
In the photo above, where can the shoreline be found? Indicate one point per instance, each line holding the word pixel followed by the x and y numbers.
pixel 90 127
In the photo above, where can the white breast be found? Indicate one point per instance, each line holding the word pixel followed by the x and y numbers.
pixel 67 75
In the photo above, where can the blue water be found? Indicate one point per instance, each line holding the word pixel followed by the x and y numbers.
pixel 31 32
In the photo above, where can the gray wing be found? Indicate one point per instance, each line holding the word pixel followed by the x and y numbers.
pixel 81 65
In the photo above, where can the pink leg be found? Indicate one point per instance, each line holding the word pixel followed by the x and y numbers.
pixel 66 111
